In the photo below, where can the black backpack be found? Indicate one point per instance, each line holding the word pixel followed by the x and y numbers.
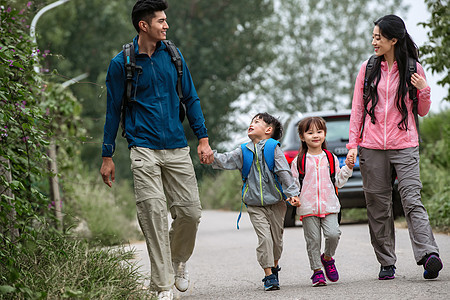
pixel 131 67
pixel 412 90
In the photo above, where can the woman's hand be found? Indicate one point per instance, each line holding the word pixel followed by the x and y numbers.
pixel 418 81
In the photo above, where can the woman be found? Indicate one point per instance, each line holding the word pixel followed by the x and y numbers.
pixel 384 128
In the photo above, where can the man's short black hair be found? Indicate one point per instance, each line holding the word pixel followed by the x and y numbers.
pixel 145 10
pixel 277 132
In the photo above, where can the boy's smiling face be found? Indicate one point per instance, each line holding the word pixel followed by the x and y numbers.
pixel 259 130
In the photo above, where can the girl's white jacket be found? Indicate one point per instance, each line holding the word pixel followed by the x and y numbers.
pixel 318 195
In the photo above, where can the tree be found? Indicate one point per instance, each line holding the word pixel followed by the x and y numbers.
pixel 437 51
pixel 324 44
pixel 221 41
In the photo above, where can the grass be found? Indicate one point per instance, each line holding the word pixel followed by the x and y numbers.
pixel 53 266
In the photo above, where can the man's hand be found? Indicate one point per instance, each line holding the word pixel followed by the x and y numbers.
pixel 205 154
pixel 108 169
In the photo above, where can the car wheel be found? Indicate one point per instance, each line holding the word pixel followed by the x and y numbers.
pixel 397 203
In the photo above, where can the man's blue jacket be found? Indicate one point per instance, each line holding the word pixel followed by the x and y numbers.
pixel 152 118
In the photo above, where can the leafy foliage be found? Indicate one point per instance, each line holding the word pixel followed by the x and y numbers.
pixel 437 50
pixel 324 44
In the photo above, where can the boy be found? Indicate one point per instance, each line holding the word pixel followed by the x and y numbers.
pixel 264 200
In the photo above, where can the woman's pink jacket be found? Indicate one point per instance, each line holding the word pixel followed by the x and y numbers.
pixel 385 134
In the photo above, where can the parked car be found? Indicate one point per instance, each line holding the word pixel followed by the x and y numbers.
pixel 351 195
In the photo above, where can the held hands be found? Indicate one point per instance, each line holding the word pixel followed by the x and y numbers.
pixel 418 81
pixel 350 162
pixel 294 201
pixel 205 154
pixel 351 158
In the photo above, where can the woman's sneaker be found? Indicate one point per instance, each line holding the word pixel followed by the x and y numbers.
pixel 432 267
pixel 271 283
pixel 386 272
pixel 330 269
pixel 318 279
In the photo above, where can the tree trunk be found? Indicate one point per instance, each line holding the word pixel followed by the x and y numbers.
pixel 54 186
pixel 6 171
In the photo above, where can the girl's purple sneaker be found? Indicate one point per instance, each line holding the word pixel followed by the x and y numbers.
pixel 330 269
pixel 318 279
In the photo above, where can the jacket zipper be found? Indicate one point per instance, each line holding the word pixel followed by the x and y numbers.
pixel 386 107
pixel 155 86
pixel 317 163
pixel 260 176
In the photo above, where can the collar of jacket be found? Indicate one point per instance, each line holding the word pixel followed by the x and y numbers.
pixel 159 46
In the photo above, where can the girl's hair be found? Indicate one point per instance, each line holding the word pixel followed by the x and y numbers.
pixel 277 128
pixel 392 26
pixel 307 124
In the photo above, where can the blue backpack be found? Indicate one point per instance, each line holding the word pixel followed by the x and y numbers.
pixel 247 161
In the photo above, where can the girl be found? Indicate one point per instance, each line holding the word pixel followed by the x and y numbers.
pixel 319 205
pixel 383 126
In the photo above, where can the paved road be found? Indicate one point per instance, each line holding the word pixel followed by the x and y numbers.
pixel 224 265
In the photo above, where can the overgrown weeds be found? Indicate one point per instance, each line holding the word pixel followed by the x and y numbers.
pixel 54 266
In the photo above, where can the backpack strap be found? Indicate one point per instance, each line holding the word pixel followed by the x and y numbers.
pixel 130 67
pixel 176 60
pixel 412 91
pixel 247 160
pixel 369 70
pixel 301 167
pixel 269 153
pixel 332 164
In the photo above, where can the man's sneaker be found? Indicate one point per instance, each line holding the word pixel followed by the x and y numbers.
pixel 275 272
pixel 330 269
pixel 165 295
pixel 318 279
pixel 181 276
pixel 386 272
pixel 271 283
pixel 432 267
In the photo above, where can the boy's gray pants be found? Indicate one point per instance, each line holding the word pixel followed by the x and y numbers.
pixel 166 178
pixel 268 222
pixel 312 229
pixel 377 167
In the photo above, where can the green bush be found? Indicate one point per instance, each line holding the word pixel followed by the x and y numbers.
pixel 53 266
pixel 434 164
pixel 222 191
pixel 110 213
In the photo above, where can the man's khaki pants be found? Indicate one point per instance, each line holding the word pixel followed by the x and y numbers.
pixel 166 179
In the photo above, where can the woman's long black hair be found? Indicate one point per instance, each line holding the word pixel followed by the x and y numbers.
pixel 392 26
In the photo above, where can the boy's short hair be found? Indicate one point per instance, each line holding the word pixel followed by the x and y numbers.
pixel 145 10
pixel 277 132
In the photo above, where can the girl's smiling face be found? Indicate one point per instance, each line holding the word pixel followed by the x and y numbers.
pixel 314 139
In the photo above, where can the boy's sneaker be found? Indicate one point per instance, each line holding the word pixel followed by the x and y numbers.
pixel 275 272
pixel 318 279
pixel 181 276
pixel 271 283
pixel 386 272
pixel 165 295
pixel 432 266
pixel 330 269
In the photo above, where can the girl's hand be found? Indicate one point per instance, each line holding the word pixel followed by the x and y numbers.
pixel 350 162
pixel 418 81
pixel 294 201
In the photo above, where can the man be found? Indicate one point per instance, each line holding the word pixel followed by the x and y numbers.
pixel 162 168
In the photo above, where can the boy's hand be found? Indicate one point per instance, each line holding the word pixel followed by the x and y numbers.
pixel 294 201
